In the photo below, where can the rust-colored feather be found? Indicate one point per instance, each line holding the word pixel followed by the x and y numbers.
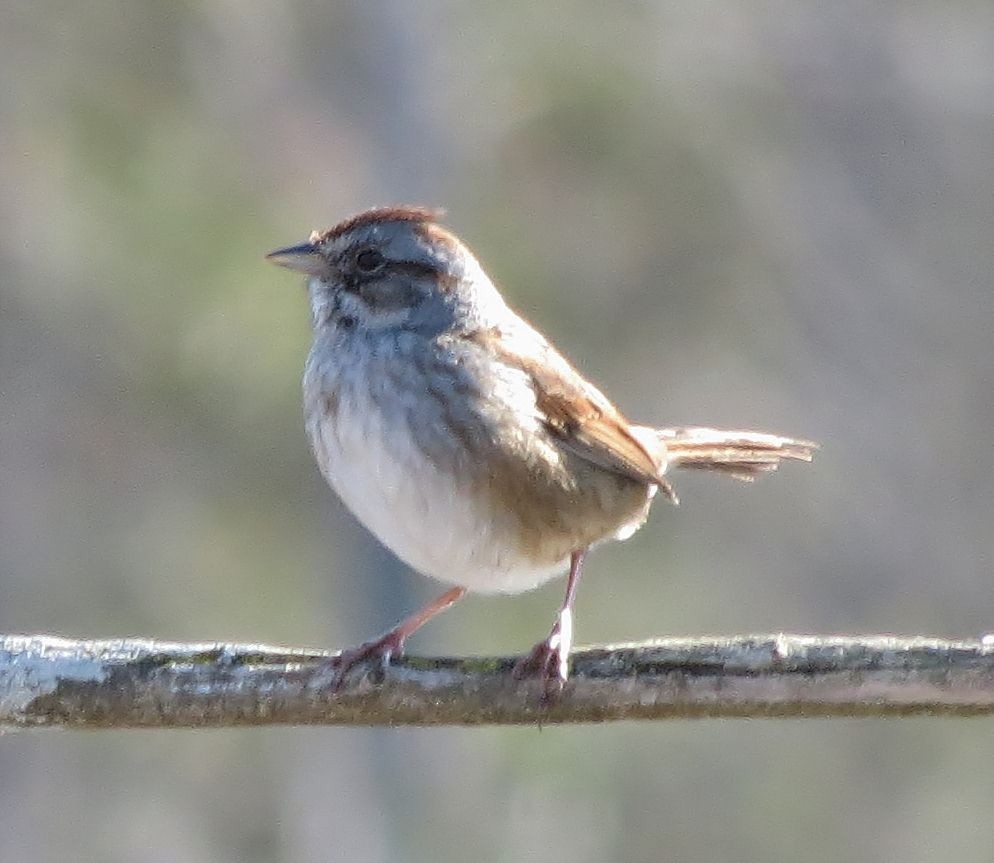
pixel 579 415
pixel 397 213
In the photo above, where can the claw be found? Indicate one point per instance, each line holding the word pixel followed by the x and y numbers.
pixel 383 649
pixel 549 659
pixel 392 644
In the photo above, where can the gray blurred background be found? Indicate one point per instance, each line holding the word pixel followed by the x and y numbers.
pixel 764 214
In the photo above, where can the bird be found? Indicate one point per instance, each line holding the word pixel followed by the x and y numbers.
pixel 463 439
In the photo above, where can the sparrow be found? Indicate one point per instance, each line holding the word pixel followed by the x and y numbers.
pixel 462 438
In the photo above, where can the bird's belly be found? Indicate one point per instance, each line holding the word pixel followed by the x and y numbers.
pixel 433 519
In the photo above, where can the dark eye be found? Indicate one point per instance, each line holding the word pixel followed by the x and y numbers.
pixel 368 261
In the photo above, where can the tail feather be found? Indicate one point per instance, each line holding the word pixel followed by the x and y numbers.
pixel 739 454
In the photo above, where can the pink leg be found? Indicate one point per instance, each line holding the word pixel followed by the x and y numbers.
pixel 549 659
pixel 392 643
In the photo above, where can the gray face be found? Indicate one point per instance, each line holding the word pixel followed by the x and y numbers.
pixel 383 275
pixel 394 269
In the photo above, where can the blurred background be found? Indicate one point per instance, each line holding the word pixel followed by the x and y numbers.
pixel 770 215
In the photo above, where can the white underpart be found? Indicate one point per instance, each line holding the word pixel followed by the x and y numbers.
pixel 429 517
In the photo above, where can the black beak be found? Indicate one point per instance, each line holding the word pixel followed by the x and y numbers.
pixel 305 258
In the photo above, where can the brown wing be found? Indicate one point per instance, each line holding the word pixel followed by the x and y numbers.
pixel 578 414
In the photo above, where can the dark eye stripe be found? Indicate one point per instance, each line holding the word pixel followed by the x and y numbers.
pixel 368 260
pixel 415 269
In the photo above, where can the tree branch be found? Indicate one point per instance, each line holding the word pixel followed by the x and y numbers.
pixel 127 683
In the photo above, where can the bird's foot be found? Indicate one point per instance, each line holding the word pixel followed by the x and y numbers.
pixel 549 659
pixel 382 649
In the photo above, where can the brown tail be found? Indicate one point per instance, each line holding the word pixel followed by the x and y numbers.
pixel 740 454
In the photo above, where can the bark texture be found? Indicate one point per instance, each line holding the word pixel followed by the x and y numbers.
pixel 139 683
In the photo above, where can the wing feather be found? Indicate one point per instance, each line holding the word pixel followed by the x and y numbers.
pixel 573 410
